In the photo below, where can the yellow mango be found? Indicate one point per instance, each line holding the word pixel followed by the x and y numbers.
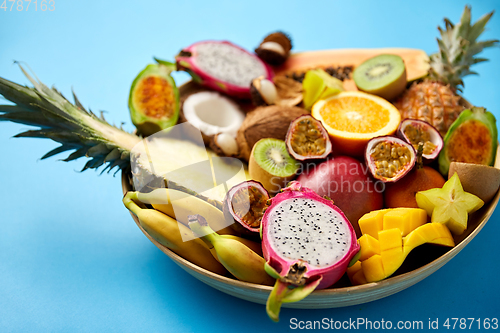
pixel 351 271
pixel 359 278
pixel 398 231
pixel 392 260
pixel 369 246
pixel 434 233
pixel 373 268
pixel 390 239
pixel 405 219
pixel 371 223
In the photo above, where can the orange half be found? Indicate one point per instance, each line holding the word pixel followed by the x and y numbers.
pixel 352 118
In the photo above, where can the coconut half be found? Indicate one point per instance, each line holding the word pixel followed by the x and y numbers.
pixel 212 113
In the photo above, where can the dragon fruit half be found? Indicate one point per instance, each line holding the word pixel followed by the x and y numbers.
pixel 222 66
pixel 307 243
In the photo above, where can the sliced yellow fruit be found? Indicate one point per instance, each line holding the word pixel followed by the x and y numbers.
pixel 317 85
pixel 352 118
pixel 449 205
pixel 389 235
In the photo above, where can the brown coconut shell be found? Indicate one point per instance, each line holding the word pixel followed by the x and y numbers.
pixel 266 122
pixel 481 180
pixel 272 57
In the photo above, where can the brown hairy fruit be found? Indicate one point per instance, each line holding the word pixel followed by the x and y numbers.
pixel 265 122
pixel 275 48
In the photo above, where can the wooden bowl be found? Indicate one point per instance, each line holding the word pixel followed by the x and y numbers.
pixel 422 262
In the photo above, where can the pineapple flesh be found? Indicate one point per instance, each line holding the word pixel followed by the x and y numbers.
pixel 435 99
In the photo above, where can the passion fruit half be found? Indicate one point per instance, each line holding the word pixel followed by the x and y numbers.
pixel 416 131
pixel 308 139
pixel 245 204
pixel 389 158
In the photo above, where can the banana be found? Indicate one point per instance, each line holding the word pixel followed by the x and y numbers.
pixel 166 231
pixel 237 258
pixel 161 199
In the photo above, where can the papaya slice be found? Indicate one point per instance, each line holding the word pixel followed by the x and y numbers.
pixel 416 61
pixel 154 99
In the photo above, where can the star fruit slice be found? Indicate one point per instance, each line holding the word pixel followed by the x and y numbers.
pixel 449 205
pixel 317 85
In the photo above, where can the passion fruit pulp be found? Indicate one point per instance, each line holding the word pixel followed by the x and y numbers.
pixel 308 139
pixel 389 158
pixel 245 204
pixel 416 131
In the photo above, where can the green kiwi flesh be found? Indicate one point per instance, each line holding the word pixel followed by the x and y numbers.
pixel 383 75
pixel 271 165
pixel 272 156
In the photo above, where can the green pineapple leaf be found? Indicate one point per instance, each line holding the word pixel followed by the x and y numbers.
pixel 73 126
pixel 458 48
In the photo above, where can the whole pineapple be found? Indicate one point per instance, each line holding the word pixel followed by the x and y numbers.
pixel 435 99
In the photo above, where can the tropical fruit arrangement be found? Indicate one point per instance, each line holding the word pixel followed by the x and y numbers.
pixel 320 164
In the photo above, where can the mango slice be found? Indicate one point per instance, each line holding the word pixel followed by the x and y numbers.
pixel 398 231
pixel 404 219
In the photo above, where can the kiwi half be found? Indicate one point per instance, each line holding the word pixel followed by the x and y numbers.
pixel 271 165
pixel 383 75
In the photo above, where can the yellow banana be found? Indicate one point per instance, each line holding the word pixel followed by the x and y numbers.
pixel 161 199
pixel 237 258
pixel 166 231
pixel 254 246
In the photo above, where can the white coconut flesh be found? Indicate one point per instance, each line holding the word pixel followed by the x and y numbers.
pixel 227 143
pixel 228 63
pixel 308 230
pixel 268 91
pixel 213 113
pixel 273 46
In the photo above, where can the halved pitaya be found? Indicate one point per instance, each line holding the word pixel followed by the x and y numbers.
pixel 222 66
pixel 307 243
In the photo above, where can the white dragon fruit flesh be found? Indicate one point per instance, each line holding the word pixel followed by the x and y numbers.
pixel 222 66
pixel 307 243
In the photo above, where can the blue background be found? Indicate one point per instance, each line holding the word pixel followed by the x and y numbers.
pixel 71 257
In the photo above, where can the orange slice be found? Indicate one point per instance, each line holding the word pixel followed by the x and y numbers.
pixel 352 118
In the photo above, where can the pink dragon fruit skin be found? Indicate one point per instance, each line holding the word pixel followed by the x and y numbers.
pixel 331 272
pixel 212 64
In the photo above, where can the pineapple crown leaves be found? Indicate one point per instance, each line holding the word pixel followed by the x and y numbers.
pixel 458 48
pixel 71 125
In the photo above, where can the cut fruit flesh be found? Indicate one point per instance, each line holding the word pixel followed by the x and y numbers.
pixel 449 205
pixel 318 85
pixel 352 118
pixel 389 158
pixel 417 61
pixel 416 131
pixel 212 113
pixel 271 165
pixel 383 75
pixel 470 143
pixel 154 100
pixel 245 203
pixel 472 138
pixel 308 139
